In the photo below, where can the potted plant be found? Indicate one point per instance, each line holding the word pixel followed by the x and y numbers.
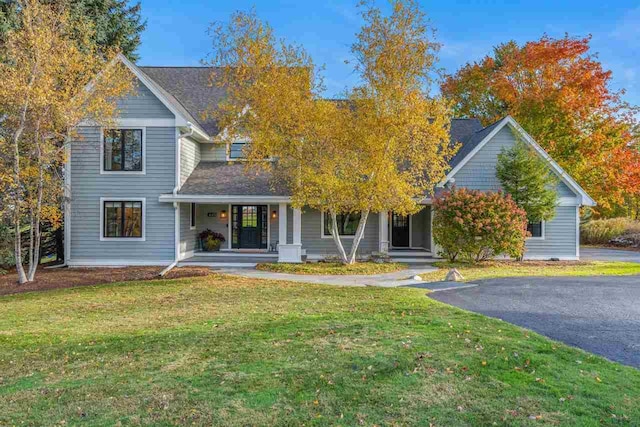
pixel 211 240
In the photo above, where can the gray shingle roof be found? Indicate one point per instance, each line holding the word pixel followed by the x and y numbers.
pixel 229 179
pixel 191 87
pixel 470 140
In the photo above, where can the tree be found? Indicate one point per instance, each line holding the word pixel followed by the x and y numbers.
pixel 116 24
pixel 475 225
pixel 382 147
pixel 528 180
pixel 559 92
pixel 51 82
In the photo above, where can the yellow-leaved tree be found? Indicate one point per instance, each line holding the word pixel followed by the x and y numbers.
pixel 382 147
pixel 53 77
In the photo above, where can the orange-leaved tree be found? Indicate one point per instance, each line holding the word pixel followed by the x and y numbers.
pixel 52 79
pixel 560 93
pixel 382 147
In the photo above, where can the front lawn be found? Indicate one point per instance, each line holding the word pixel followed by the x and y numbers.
pixel 495 269
pixel 333 268
pixel 219 350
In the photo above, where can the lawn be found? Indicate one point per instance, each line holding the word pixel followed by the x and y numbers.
pixel 494 269
pixel 333 268
pixel 218 350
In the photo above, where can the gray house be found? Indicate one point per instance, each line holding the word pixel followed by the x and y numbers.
pixel 141 193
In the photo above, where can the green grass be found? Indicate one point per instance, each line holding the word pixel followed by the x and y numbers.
pixel 230 351
pixel 494 269
pixel 333 268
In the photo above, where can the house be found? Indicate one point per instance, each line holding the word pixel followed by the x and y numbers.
pixel 141 193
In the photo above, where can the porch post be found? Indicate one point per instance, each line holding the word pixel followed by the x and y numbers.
pixel 383 232
pixel 290 252
pixel 297 227
pixel 282 224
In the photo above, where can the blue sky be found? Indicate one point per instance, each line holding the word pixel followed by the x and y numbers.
pixel 176 31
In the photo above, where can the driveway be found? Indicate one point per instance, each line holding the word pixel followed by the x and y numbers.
pixel 597 314
pixel 606 254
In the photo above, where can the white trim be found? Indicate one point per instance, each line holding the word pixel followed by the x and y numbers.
pixel 410 231
pixel 144 152
pixel 570 182
pixel 282 225
pixel 67 203
pixel 176 230
pixel 543 226
pixel 577 232
pixel 223 199
pixel 268 226
pixel 192 215
pixel 117 263
pixel 323 236
pixel 188 254
pixel 120 122
pixel 123 199
pixel 178 161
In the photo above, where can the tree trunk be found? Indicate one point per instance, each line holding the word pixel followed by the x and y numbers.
pixel 336 238
pixel 36 232
pixel 358 237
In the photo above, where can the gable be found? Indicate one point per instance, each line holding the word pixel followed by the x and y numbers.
pixel 479 172
pixel 142 104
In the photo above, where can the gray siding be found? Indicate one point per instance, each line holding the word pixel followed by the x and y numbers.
pixel 316 245
pixel 189 158
pixel 88 186
pixel 188 237
pixel 421 228
pixel 560 237
pixel 213 152
pixel 143 104
pixel 480 171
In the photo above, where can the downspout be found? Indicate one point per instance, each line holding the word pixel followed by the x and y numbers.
pixel 175 192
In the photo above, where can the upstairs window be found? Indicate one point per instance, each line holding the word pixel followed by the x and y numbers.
pixel 123 150
pixel 236 150
pixel 536 229
pixel 347 224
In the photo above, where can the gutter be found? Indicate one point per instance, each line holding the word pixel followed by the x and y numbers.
pixel 175 193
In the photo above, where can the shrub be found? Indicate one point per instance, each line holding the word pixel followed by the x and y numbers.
pixel 473 226
pixel 601 231
pixel 204 235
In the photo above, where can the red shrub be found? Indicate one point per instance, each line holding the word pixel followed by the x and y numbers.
pixel 473 225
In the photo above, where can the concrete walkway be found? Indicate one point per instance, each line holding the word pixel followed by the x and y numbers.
pixel 386 280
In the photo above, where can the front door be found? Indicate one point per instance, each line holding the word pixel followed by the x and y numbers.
pixel 249 227
pixel 399 231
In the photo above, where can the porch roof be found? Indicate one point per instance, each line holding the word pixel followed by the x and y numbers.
pixel 227 179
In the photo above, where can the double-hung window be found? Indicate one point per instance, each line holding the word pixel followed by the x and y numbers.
pixel 347 224
pixel 123 150
pixel 123 219
pixel 536 230
pixel 236 150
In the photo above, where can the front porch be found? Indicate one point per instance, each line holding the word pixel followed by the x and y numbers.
pixel 263 230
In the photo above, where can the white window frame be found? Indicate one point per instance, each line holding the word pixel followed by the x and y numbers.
pixel 323 236
pixel 123 199
pixel 192 215
pixel 543 226
pixel 144 151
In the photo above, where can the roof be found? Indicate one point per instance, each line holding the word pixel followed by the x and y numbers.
pixel 470 140
pixel 229 179
pixel 191 88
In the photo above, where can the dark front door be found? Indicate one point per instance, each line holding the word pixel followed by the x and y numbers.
pixel 249 227
pixel 399 231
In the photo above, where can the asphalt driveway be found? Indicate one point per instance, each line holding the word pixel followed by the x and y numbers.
pixel 597 314
pixel 607 254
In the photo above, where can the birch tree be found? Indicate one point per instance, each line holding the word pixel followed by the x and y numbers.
pixel 381 147
pixel 51 81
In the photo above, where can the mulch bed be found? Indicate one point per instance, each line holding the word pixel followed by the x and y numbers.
pixel 60 278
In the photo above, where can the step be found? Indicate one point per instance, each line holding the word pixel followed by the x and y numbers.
pixel 410 254
pixel 217 264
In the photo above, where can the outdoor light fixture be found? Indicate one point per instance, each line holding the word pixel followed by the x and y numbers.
pixel 274 214
pixel 223 214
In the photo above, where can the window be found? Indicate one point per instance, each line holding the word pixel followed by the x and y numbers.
pixel 236 150
pixel 122 219
pixel 347 224
pixel 192 217
pixel 122 150
pixel 536 229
